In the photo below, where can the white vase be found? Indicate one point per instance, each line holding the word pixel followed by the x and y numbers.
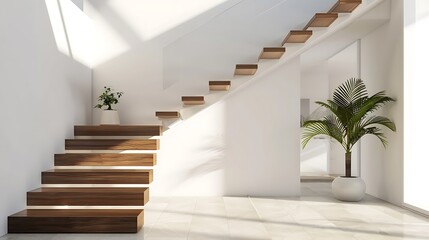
pixel 350 189
pixel 109 117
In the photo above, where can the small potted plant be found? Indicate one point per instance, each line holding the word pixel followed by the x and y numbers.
pixel 108 98
pixel 350 118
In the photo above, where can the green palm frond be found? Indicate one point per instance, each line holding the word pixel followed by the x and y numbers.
pixel 350 120
pixel 370 105
pixel 328 127
pixel 374 120
pixel 349 92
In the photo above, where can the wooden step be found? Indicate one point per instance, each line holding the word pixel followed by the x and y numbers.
pixel 107 159
pixel 322 20
pixel 297 37
pixel 167 114
pixel 345 6
pixel 112 144
pixel 88 197
pixel 219 85
pixel 272 52
pixel 96 176
pixel 246 69
pixel 76 221
pixel 193 100
pixel 118 130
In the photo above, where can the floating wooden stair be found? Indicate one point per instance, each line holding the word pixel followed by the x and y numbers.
pixel 322 20
pixel 112 144
pixel 219 85
pixel 297 37
pixel 193 100
pixel 76 221
pixel 272 53
pixel 88 197
pixel 345 6
pixel 105 159
pixel 246 69
pixel 112 130
pixel 168 114
pixel 97 176
pixel 93 169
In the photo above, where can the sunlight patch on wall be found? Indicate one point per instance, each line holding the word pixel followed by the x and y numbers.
pixel 150 19
pixel 72 30
pixel 107 41
pixel 57 26
pixel 416 49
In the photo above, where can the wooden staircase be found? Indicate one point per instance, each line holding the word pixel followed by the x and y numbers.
pixel 66 186
pixel 299 36
pixel 92 144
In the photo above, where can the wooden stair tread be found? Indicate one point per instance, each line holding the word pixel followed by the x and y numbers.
pixel 295 36
pixel 111 144
pixel 76 221
pixel 100 170
pixel 87 189
pixel 345 6
pixel 322 20
pixel 88 196
pixel 193 100
pixel 78 213
pixel 167 114
pixel 97 176
pixel 272 52
pixel 118 130
pixel 105 159
pixel 245 69
pixel 219 85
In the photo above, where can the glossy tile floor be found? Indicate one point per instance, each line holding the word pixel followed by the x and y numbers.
pixel 315 215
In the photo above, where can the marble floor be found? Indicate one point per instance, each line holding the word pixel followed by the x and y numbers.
pixel 314 216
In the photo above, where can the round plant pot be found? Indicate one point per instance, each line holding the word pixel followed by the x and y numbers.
pixel 350 189
pixel 109 117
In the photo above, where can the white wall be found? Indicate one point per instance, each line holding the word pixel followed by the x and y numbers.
pixel 342 66
pixel 44 93
pixel 157 58
pixel 315 84
pixel 315 87
pixel 247 144
pixel 315 157
pixel 382 68
pixel 416 85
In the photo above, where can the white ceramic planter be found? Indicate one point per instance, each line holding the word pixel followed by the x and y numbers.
pixel 350 189
pixel 109 117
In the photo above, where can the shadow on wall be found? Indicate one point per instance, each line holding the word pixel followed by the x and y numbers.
pixel 211 159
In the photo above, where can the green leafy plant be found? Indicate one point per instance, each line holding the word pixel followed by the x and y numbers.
pixel 108 98
pixel 350 118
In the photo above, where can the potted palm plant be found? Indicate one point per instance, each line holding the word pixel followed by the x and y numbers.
pixel 108 97
pixel 350 118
